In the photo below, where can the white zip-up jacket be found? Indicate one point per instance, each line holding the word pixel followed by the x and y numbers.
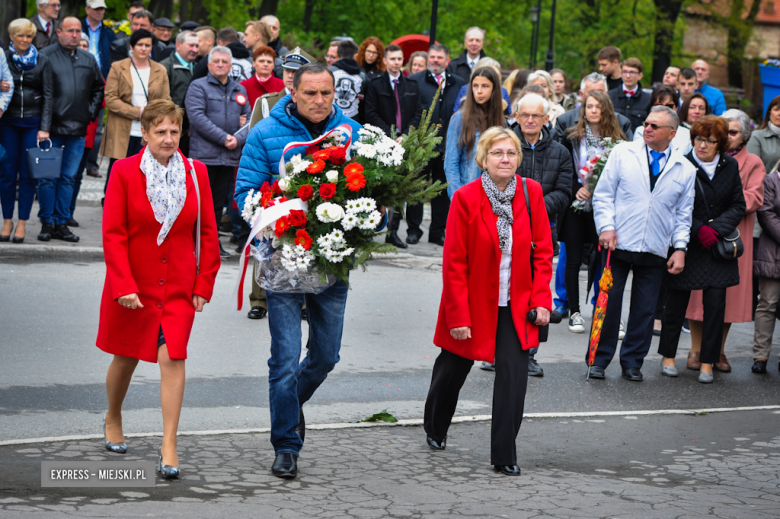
pixel 645 221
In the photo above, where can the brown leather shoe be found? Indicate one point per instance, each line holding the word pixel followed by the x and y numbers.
pixel 693 360
pixel 723 364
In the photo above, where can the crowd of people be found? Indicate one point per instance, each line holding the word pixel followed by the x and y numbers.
pixel 675 202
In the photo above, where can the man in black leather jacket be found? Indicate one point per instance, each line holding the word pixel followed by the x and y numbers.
pixel 78 94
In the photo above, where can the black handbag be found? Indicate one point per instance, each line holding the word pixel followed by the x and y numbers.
pixel 44 163
pixel 544 331
pixel 729 247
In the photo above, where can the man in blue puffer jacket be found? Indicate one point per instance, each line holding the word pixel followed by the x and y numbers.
pixel 305 114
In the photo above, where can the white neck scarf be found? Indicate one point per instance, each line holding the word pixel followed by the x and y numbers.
pixel 774 129
pixel 166 189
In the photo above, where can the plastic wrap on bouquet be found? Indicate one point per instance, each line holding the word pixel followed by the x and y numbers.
pixel 272 275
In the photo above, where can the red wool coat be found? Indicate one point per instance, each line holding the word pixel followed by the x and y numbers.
pixel 255 89
pixel 471 277
pixel 163 276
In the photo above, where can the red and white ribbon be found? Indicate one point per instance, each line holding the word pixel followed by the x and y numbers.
pixel 268 217
pixel 345 128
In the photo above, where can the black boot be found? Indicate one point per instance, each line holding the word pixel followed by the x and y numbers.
pixel 47 230
pixel 61 232
pixel 394 239
pixel 285 465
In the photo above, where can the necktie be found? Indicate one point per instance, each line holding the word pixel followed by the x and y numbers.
pixel 438 79
pixel 48 28
pixel 628 93
pixel 397 106
pixel 655 163
pixel 471 64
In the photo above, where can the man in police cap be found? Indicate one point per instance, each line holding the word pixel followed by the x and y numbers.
pixel 292 61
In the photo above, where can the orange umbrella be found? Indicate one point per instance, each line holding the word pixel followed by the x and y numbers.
pixel 601 311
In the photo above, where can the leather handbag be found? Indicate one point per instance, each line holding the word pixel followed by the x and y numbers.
pixel 544 331
pixel 44 162
pixel 729 247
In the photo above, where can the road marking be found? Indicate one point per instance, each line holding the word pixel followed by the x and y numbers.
pixel 403 423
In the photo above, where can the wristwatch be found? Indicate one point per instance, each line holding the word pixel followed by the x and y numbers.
pixel 682 249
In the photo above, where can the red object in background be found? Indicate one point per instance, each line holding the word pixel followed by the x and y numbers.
pixel 89 142
pixel 412 43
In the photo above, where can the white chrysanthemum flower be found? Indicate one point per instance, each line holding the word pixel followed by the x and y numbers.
pixel 332 175
pixel 329 212
pixel 336 235
pixel 353 206
pixel 349 221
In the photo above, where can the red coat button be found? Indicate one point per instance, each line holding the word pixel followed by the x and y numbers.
pixel 164 259
pixel 161 282
pixel 160 305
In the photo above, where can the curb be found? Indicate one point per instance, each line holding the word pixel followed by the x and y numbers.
pixel 415 422
pixel 26 250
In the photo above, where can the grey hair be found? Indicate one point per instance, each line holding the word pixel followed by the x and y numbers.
pixel 219 49
pixel 42 2
pixel 184 35
pixel 534 97
pixel 593 77
pixel 533 76
pixel 745 126
pixel 670 114
pixel 486 62
pixel 482 32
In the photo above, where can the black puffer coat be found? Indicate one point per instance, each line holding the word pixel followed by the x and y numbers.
pixel 727 208
pixel 33 91
pixel 550 164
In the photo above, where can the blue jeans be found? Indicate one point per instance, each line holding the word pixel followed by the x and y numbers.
pixel 560 279
pixel 639 330
pixel 292 382
pixel 77 180
pixel 13 170
pixel 56 194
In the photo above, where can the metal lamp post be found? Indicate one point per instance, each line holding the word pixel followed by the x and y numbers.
pixel 534 15
pixel 548 64
pixel 434 15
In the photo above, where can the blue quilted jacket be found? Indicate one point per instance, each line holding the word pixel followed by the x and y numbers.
pixel 263 149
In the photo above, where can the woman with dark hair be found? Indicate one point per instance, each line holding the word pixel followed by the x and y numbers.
pixel 717 210
pixel 765 142
pixel 131 84
pixel 667 96
pixel 597 122
pixel 370 57
pixel 482 109
pixel 693 109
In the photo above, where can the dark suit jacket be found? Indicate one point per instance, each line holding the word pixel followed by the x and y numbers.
pixel 381 106
pixel 635 108
pixel 442 112
pixel 460 65
pixel 107 37
pixel 120 49
pixel 41 39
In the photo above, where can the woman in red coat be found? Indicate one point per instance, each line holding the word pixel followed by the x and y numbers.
pixel 490 287
pixel 263 82
pixel 154 284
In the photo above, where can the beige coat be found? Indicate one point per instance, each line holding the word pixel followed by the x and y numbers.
pixel 121 113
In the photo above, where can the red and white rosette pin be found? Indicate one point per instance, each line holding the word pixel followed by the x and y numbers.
pixel 241 99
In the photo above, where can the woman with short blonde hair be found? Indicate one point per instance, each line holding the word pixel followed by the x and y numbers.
pixel 497 230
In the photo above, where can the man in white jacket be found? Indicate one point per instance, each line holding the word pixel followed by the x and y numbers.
pixel 642 206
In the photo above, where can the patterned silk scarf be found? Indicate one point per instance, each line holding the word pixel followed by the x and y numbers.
pixel 166 189
pixel 26 61
pixel 591 142
pixel 501 202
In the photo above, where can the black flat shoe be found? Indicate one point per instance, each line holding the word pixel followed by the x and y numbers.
pixel 534 369
pixel 72 222
pixel 285 465
pixel 633 374
pixel 18 240
pixel 597 372
pixel 301 427
pixel 394 239
pixel 47 230
pixel 257 312
pixel 437 446
pixel 413 239
pixel 759 367
pixel 488 366
pixel 61 232
pixel 509 470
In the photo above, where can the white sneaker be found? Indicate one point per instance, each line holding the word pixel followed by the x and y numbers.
pixel 576 323
pixel 621 331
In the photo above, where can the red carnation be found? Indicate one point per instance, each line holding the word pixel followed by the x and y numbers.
pixel 321 154
pixel 338 155
pixel 356 181
pixel 282 224
pixel 297 218
pixel 267 200
pixel 327 190
pixel 311 150
pixel 316 166
pixel 303 239
pixel 275 189
pixel 305 192
pixel 353 168
pixel 265 188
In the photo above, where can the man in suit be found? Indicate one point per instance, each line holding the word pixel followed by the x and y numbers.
pixel 462 66
pixel 629 99
pixel 143 19
pixel 100 36
pixel 428 83
pixel 46 23
pixel 392 100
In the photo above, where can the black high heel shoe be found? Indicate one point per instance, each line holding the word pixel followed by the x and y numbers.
pixel 167 471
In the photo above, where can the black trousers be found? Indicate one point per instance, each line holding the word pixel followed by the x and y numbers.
pixel 579 229
pixel 440 206
pixel 134 146
pixel 220 179
pixel 449 374
pixel 714 300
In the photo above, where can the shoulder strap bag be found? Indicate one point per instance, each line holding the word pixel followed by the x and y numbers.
pixel 729 247
pixel 543 330
pixel 197 225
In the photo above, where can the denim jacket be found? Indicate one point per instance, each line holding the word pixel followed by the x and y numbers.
pixel 460 167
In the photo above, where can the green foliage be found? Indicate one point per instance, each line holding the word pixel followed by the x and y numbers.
pixel 383 416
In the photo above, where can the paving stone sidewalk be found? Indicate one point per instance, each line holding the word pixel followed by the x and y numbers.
pixel 724 465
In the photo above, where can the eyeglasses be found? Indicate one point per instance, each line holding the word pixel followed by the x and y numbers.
pixel 630 72
pixel 655 126
pixel 500 154
pixel 371 52
pixel 734 132
pixel 699 140
pixel 535 117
